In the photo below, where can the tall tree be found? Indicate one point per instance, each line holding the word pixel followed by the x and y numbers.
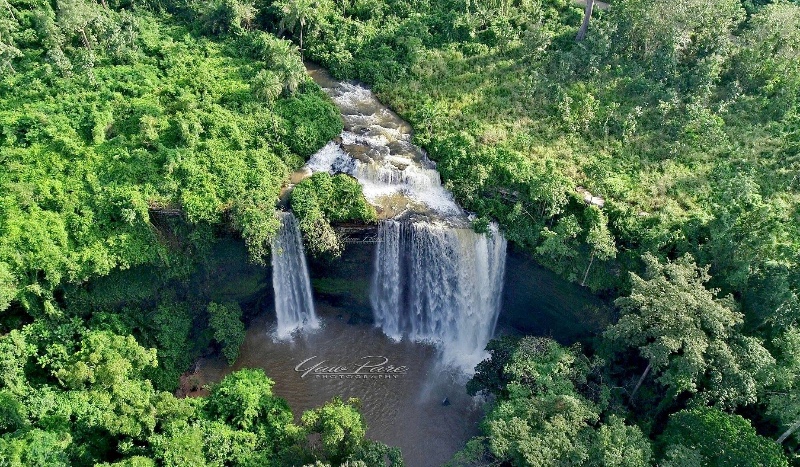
pixel 340 427
pixel 783 397
pixel 300 13
pixel 77 17
pixel 541 417
pixel 8 27
pixel 587 15
pixel 710 437
pixel 688 336
pixel 229 16
pixel 599 239
pixel 295 13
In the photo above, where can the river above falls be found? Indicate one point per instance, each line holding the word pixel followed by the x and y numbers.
pixel 376 148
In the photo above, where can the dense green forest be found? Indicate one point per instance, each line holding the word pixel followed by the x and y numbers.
pixel 133 141
pixel 656 161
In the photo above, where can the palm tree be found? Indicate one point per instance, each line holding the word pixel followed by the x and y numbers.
pixel 296 12
pixel 285 63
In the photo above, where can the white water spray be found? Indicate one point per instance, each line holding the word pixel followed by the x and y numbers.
pixel 439 284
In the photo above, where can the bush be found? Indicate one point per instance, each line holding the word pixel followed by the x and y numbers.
pixel 309 121
pixel 323 198
pixel 226 322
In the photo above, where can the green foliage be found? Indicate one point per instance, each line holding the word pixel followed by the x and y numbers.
pixel 280 59
pixel 110 121
pixel 767 65
pixel 295 14
pixel 266 86
pixel 340 426
pixel 321 199
pixel 689 337
pixel 543 416
pixel 226 322
pixel 7 286
pixel 35 447
pixel 12 415
pixel 337 436
pixel 618 444
pixel 490 375
pixel 548 430
pixel 708 436
pixel 782 397
pixel 15 352
pixel 228 17
pixel 172 324
pixel 309 121
pixel 686 39
pixel 104 360
pixel 245 400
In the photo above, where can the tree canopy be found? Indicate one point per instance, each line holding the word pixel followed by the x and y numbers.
pixel 689 337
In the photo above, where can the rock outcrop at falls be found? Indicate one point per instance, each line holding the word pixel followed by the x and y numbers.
pixel 294 305
pixel 435 279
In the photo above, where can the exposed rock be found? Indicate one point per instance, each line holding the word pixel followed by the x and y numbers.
pixel 588 198
pixel 300 175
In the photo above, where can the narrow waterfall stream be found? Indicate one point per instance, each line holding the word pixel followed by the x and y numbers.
pixel 294 305
pixel 435 280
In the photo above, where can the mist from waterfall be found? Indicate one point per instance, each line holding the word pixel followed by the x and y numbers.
pixel 439 284
pixel 294 304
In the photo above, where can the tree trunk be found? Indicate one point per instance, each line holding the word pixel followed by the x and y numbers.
pixel 301 42
pixel 587 15
pixel 10 11
pixel 586 274
pixel 788 432
pixel 85 40
pixel 641 379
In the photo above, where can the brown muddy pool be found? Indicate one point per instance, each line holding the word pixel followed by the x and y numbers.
pixel 403 409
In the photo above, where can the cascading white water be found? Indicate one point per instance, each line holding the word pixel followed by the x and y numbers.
pixel 294 304
pixel 435 279
pixel 389 174
pixel 439 284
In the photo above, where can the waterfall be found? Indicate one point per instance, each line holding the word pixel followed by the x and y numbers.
pixel 435 279
pixel 439 284
pixel 294 304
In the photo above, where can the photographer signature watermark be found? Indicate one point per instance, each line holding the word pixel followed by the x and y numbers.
pixel 369 367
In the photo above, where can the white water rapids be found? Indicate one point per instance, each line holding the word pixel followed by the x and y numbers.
pixel 434 280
